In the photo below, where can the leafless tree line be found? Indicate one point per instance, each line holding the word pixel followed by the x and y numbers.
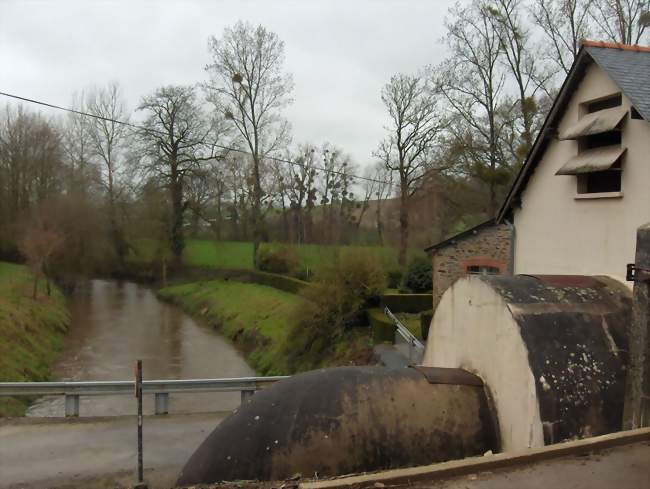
pixel 199 159
pixel 213 157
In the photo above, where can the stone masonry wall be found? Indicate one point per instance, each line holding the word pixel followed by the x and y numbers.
pixel 488 247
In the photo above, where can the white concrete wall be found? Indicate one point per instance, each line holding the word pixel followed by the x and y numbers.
pixel 473 329
pixel 557 234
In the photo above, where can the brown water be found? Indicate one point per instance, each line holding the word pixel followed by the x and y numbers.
pixel 115 323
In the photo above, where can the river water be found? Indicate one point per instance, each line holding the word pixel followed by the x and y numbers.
pixel 115 323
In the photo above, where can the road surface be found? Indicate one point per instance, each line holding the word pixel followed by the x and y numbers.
pixel 97 453
pixel 626 467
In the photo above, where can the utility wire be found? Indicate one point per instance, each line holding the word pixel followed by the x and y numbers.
pixel 220 146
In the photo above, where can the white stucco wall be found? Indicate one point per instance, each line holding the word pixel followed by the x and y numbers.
pixel 557 234
pixel 473 329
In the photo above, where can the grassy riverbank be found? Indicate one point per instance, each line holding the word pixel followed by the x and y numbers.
pixel 257 319
pixel 31 331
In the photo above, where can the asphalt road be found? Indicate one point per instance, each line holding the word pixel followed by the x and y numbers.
pixel 625 467
pixel 94 453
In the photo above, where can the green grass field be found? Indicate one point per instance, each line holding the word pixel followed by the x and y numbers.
pixel 239 254
pixel 31 331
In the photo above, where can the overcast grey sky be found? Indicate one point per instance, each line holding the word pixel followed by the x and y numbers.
pixel 340 52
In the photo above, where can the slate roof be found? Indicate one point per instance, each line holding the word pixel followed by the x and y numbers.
pixel 629 67
pixel 460 236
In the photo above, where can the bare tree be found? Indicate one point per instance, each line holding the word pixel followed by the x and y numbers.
pixel 623 21
pixel 31 158
pixel 333 186
pixel 237 171
pixel 82 173
pixel 302 191
pixel 472 82
pixel 522 61
pixel 383 192
pixel 39 242
pixel 376 189
pixel 565 23
pixel 178 138
pixel 414 124
pixel 248 86
pixel 108 139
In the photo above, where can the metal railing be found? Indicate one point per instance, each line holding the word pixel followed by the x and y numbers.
pixel 160 388
pixel 415 351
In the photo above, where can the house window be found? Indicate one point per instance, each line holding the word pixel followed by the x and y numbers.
pixel 597 165
pixel 609 138
pixel 482 270
pixel 603 103
pixel 634 114
pixel 600 181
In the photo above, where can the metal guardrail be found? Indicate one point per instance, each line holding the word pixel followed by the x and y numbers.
pixel 415 346
pixel 160 388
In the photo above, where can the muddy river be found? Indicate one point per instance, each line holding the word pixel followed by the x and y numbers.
pixel 115 323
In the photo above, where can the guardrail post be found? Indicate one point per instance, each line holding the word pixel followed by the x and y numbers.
pixel 162 402
pixel 246 395
pixel 71 405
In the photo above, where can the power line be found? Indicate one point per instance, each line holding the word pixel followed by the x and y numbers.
pixel 220 146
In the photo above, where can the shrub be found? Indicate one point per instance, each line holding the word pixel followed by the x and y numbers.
pixel 305 274
pixel 409 303
pixel 425 322
pixel 333 303
pixel 383 329
pixel 418 275
pixel 394 278
pixel 276 258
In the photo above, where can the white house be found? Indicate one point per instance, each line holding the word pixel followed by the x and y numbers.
pixel 585 186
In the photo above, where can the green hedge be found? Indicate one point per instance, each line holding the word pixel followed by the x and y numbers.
pixel 383 330
pixel 412 303
pixel 425 322
pixel 280 282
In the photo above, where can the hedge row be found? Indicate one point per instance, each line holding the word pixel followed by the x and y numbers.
pixel 280 282
pixel 383 329
pixel 425 322
pixel 153 272
pixel 412 303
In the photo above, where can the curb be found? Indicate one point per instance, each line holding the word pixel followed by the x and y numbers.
pixel 479 464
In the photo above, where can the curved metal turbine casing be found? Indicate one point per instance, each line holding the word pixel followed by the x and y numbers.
pixel 551 348
pixel 344 420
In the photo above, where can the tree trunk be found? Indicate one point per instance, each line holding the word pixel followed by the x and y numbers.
pixel 117 238
pixel 219 218
pixel 285 222
pixel 35 288
pixel 380 225
pixel 403 222
pixel 257 209
pixel 177 241
pixel 309 226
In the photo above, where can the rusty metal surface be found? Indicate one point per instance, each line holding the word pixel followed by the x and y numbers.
pixel 344 420
pixel 454 376
pixel 592 160
pixel 595 123
pixel 576 332
pixel 583 281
